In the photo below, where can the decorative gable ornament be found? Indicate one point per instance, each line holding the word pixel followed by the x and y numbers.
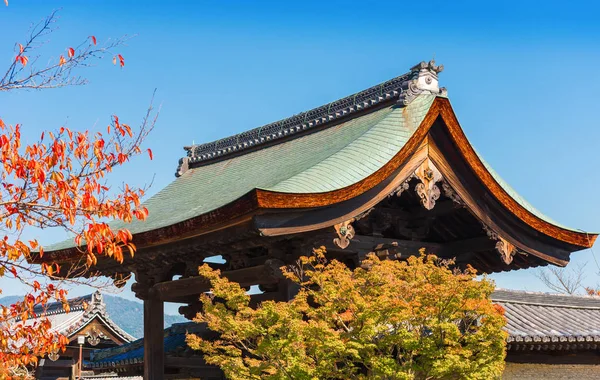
pixel 94 337
pixel 54 355
pixel 345 233
pixel 427 189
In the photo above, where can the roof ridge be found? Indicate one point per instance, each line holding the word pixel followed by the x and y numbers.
pixel 57 307
pixel 555 300
pixel 422 78
pixel 540 293
pixel 549 304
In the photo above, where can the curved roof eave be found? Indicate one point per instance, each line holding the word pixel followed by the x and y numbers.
pixel 440 108
pixel 504 193
pixel 243 207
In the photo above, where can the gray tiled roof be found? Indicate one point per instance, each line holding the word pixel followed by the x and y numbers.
pixel 554 320
pixel 535 321
pixel 82 311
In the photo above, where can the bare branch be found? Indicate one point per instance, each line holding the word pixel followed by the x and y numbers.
pixel 59 72
pixel 562 280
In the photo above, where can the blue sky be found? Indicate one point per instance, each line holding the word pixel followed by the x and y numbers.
pixel 521 76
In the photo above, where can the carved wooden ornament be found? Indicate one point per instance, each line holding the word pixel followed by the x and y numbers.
pixel 402 187
pixel 450 193
pixel 94 337
pixel 427 189
pixel 53 355
pixel 345 233
pixel 506 249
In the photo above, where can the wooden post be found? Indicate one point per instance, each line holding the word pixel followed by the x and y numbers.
pixel 81 342
pixel 154 351
pixel 80 358
pixel 288 289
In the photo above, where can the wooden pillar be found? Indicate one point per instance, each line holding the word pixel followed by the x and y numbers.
pixel 154 351
pixel 288 289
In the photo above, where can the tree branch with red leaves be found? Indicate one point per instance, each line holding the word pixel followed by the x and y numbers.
pixel 60 181
pixel 60 71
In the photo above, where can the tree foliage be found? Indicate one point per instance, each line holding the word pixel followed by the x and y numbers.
pixel 385 320
pixel 59 180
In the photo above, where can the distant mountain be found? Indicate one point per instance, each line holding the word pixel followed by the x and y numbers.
pixel 9 300
pixel 129 315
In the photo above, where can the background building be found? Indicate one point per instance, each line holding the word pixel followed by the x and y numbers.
pixel 87 318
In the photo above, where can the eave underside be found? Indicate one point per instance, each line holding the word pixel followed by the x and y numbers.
pixel 485 210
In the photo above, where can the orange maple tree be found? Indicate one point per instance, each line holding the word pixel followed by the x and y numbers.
pixel 416 319
pixel 58 181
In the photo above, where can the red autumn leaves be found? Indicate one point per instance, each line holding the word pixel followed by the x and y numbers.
pixel 23 59
pixel 24 344
pixel 64 180
pixel 121 60
pixel 70 54
pixel 20 57
pixel 58 182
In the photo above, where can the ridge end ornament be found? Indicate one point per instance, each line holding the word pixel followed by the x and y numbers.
pixel 423 79
pixel 427 189
pixel 345 233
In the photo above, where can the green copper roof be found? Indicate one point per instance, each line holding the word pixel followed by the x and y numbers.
pixel 361 156
pixel 330 159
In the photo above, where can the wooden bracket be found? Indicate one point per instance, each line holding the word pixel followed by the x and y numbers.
pixel 506 249
pixel 453 195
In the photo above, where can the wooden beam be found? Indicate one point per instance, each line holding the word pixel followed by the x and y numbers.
pixel 419 212
pixel 181 290
pixel 154 350
pixel 285 292
pixel 478 244
pixel 362 245
pixel 277 296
